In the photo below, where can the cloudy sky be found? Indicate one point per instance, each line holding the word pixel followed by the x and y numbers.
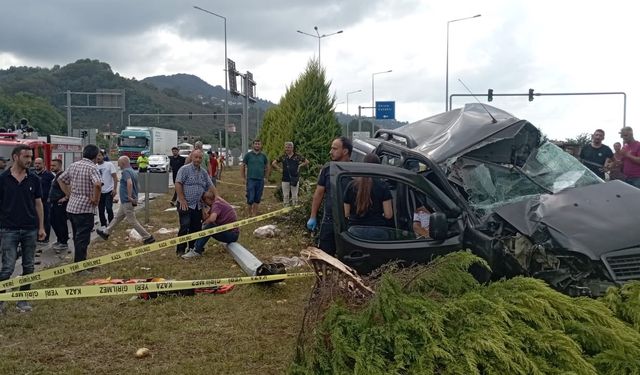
pixel 550 46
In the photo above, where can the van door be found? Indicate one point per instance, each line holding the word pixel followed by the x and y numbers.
pixel 402 157
pixel 367 247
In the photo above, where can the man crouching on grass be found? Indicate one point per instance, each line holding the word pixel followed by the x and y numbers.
pixel 219 213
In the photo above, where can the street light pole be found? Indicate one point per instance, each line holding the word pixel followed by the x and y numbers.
pixel 446 94
pixel 373 91
pixel 349 93
pixel 319 37
pixel 226 90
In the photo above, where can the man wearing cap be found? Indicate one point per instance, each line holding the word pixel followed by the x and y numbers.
pixel 630 153
pixel 143 162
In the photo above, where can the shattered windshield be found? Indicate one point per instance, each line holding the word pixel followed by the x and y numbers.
pixel 548 169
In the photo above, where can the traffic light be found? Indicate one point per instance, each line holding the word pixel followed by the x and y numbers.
pixel 190 115
pixel 490 95
pixel 215 115
pixel 83 133
pixel 530 95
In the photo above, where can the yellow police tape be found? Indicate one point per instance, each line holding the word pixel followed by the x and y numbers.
pixel 123 289
pixel 66 269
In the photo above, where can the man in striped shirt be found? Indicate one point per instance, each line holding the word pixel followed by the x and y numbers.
pixel 191 182
pixel 82 185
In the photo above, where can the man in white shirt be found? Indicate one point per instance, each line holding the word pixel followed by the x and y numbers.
pixel 110 179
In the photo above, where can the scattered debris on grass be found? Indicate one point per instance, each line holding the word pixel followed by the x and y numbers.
pixel 267 231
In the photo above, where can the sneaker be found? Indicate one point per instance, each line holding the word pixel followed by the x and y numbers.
pixel 149 240
pixel 60 246
pixel 23 306
pixel 104 235
pixel 191 254
pixel 87 272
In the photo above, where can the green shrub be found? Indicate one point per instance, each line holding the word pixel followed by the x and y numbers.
pixel 442 321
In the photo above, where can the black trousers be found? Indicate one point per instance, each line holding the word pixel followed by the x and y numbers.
pixel 326 239
pixel 46 208
pixel 59 222
pixel 82 225
pixel 105 204
pixel 175 193
pixel 190 222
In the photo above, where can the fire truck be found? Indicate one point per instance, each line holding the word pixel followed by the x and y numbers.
pixel 67 149
pixel 41 149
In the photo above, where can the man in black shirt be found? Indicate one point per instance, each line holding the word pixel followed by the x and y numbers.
pixel 46 179
pixel 21 217
pixel 340 151
pixel 176 162
pixel 291 164
pixel 595 155
pixel 58 201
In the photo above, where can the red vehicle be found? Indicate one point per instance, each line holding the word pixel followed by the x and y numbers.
pixel 41 149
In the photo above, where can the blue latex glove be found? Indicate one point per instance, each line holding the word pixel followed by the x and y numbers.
pixel 312 223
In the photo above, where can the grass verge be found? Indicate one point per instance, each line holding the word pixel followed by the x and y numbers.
pixel 251 329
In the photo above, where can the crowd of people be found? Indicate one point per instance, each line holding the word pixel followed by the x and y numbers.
pixel 34 200
pixel 623 163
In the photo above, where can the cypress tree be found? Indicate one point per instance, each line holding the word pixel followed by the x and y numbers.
pixel 305 115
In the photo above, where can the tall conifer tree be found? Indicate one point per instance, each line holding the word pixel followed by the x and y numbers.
pixel 304 115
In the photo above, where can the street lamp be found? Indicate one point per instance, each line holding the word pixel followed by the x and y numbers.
pixel 226 78
pixel 373 91
pixel 319 37
pixel 446 95
pixel 349 93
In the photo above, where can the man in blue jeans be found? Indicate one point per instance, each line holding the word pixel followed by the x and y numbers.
pixel 21 217
pixel 254 170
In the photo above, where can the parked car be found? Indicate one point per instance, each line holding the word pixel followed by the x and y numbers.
pixel 159 163
pixel 495 187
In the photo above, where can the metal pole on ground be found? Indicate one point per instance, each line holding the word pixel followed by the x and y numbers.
pixel 146 197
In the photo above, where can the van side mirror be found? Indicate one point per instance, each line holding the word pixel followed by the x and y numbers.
pixel 438 226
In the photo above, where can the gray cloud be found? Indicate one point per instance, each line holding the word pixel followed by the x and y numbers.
pixel 72 28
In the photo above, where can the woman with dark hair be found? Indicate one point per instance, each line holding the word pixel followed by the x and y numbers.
pixel 367 201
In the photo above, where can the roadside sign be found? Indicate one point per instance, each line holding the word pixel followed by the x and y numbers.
pixel 356 135
pixel 385 110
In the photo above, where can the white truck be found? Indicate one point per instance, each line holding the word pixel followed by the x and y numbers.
pixel 154 141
